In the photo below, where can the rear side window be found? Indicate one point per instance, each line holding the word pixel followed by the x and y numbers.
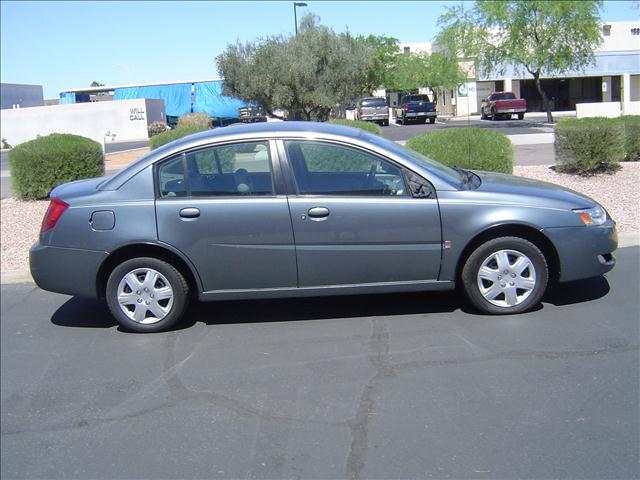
pixel 374 102
pixel 225 170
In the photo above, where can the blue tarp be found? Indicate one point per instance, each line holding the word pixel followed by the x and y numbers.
pixel 209 99
pixel 177 97
pixel 67 97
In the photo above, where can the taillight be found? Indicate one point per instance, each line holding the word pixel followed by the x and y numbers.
pixel 405 107
pixel 54 212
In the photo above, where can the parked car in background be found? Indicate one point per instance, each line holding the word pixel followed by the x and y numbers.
pixel 373 109
pixel 296 209
pixel 251 114
pixel 416 107
pixel 502 104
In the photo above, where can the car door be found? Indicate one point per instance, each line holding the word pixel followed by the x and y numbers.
pixel 355 221
pixel 219 206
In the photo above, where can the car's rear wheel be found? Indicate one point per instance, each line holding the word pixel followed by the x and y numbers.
pixel 520 116
pixel 432 120
pixel 505 275
pixel 147 294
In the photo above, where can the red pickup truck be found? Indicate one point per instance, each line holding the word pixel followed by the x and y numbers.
pixel 502 104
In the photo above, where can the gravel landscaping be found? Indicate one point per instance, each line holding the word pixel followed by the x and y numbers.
pixel 618 193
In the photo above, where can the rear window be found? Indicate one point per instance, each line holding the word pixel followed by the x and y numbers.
pixel 416 98
pixel 503 96
pixel 374 102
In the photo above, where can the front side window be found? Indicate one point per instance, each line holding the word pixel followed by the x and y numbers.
pixel 330 169
pixel 224 170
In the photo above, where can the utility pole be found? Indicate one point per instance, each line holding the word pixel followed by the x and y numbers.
pixel 295 14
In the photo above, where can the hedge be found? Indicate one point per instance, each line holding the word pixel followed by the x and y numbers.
pixel 171 135
pixel 199 119
pixel 366 126
pixel 474 148
pixel 39 165
pixel 631 125
pixel 589 145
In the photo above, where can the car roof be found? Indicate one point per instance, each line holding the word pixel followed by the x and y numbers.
pixel 239 131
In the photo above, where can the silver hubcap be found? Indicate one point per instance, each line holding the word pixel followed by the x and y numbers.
pixel 506 278
pixel 145 295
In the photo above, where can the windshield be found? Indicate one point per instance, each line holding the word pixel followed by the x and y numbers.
pixel 446 173
pixel 503 96
pixel 374 102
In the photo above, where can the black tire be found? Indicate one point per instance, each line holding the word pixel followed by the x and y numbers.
pixel 168 276
pixel 482 114
pixel 515 248
pixel 494 115
pixel 521 116
pixel 432 120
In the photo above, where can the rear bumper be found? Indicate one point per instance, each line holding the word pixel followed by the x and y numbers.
pixel 584 252
pixel 375 117
pixel 66 270
pixel 420 114
pixel 511 110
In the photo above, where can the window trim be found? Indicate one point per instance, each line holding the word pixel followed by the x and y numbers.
pixel 277 184
pixel 293 183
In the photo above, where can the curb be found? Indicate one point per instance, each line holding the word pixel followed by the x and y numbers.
pixel 625 239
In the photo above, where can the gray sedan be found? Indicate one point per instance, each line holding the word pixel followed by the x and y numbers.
pixel 305 209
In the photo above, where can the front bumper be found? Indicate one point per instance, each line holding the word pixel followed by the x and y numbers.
pixel 66 270
pixel 584 252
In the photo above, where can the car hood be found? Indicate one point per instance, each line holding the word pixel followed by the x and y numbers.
pixel 536 191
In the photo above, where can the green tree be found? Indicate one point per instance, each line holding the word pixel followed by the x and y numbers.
pixel 308 74
pixel 385 54
pixel 543 37
pixel 96 84
pixel 437 71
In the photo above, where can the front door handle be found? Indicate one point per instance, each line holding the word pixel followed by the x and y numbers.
pixel 189 213
pixel 318 212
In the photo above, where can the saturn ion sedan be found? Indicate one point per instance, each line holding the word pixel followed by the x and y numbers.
pixel 295 209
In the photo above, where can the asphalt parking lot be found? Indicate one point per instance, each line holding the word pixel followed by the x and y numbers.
pixel 387 386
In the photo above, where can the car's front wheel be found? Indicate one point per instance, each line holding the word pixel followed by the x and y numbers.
pixel 147 294
pixel 505 275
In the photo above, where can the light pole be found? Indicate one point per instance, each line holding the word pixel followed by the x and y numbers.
pixel 295 15
pixel 127 69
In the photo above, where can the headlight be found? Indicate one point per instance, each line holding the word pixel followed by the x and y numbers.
pixel 592 216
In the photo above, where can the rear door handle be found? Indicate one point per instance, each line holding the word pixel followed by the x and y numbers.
pixel 318 212
pixel 189 213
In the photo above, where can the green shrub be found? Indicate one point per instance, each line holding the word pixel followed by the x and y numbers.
pixel 46 162
pixel 589 145
pixel 195 120
pixel 171 135
pixel 156 128
pixel 366 126
pixel 474 148
pixel 632 137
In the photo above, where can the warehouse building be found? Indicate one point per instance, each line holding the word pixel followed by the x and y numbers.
pixel 610 86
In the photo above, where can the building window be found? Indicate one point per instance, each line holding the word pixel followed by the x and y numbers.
pixel 606 30
pixel 635 31
pixel 407 50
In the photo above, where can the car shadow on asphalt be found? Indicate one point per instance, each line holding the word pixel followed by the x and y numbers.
pixel 85 313
pixel 578 291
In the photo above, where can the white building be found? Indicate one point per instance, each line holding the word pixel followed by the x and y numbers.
pixel 612 83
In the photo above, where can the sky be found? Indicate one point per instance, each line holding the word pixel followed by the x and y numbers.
pixel 70 44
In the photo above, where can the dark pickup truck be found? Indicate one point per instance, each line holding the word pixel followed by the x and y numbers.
pixel 416 107
pixel 502 104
